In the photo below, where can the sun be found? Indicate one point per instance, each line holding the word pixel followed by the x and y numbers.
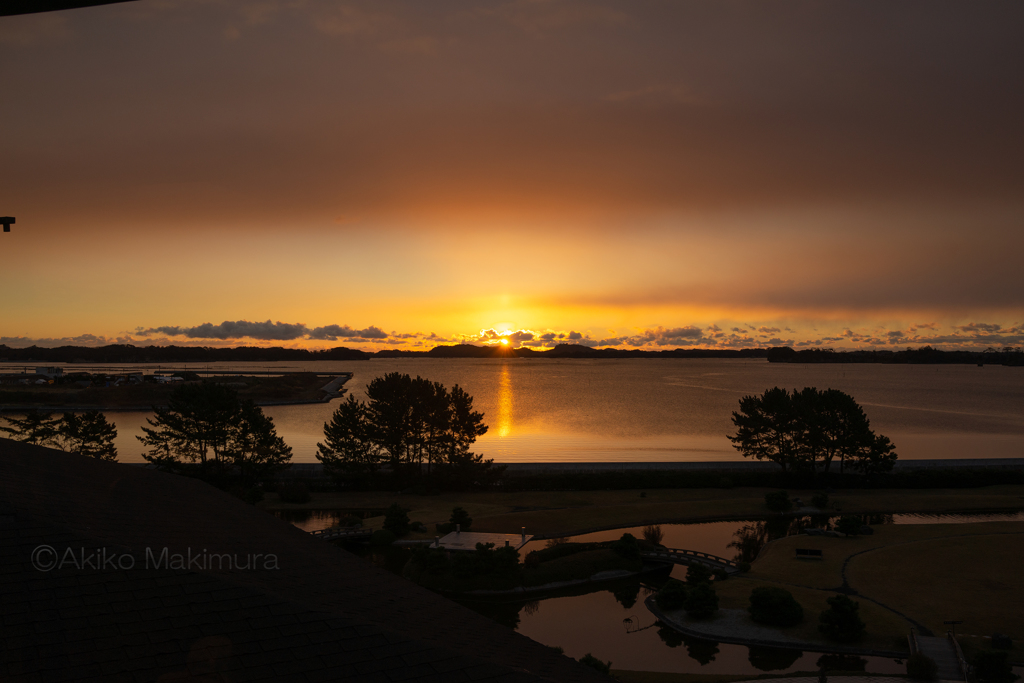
pixel 504 342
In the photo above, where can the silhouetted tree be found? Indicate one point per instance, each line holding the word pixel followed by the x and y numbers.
pixel 415 426
pixel 775 606
pixel 36 428
pixel 253 446
pixel 88 433
pixel 808 429
pixel 350 453
pixel 207 432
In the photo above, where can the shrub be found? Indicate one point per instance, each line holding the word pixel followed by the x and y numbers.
pixel 840 622
pixel 672 595
pixel 922 667
pixel 444 528
pixel 396 520
pixel 626 547
pixel 460 518
pixel 296 492
pixel 506 559
pixel 775 606
pixel 820 500
pixel 382 537
pixel 701 601
pixel 595 663
pixel 849 525
pixel 993 667
pixel 463 565
pixel 720 574
pixel 743 566
pixel 698 573
pixel 1001 641
pixel 778 501
pixel 653 534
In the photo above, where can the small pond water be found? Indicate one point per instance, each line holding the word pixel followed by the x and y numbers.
pixel 593 619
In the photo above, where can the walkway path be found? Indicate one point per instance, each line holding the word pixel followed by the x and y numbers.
pixel 833 679
pixel 941 651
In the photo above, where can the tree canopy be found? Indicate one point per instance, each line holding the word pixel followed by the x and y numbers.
pixel 413 426
pixel 88 433
pixel 208 432
pixel 809 430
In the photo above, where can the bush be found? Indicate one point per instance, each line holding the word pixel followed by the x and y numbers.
pixel 382 537
pixel 595 663
pixel 396 520
pixel 720 574
pixel 444 528
pixel 626 547
pixel 1001 641
pixel 701 601
pixel 460 518
pixel 653 534
pixel 993 667
pixel 698 573
pixel 672 595
pixel 743 566
pixel 296 492
pixel 922 667
pixel 778 501
pixel 820 500
pixel 775 606
pixel 840 622
pixel 849 525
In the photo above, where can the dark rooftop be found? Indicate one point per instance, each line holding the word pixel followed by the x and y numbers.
pixel 322 614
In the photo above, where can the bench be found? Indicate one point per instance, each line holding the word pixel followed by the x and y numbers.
pixel 809 552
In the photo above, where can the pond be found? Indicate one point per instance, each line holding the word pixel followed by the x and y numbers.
pixel 611 622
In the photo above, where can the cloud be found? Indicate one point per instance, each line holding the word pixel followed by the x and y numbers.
pixel 265 331
pixel 979 327
pixel 233 329
pixel 334 332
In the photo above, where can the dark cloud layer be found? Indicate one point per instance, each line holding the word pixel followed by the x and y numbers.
pixel 265 331
pixel 360 108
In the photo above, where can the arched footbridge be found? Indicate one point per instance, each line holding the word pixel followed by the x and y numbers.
pixel 348 533
pixel 687 557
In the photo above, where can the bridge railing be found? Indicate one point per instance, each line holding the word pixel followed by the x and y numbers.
pixel 340 532
pixel 670 552
pixel 960 659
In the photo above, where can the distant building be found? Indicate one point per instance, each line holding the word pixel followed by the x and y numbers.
pixel 50 371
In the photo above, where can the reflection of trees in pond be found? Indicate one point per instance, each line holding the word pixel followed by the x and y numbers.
pixel 531 607
pixel 669 635
pixel 505 613
pixel 842 663
pixel 773 658
pixel 703 651
pixel 627 595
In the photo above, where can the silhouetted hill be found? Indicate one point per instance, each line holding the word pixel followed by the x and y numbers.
pixel 926 355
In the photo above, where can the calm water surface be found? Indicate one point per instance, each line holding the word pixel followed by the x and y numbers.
pixel 586 620
pixel 672 409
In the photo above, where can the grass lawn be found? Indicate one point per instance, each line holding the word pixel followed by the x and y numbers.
pixel 930 573
pixel 885 630
pixel 563 513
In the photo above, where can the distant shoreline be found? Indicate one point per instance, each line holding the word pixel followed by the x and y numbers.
pixel 126 354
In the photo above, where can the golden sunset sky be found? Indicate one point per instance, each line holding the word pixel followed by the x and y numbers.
pixel 385 174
